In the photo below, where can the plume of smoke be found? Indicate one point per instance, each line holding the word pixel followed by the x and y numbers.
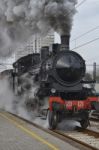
pixel 19 19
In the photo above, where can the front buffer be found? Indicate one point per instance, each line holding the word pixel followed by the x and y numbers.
pixel 60 109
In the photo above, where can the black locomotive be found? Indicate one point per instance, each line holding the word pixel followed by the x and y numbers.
pixel 62 78
pixel 60 74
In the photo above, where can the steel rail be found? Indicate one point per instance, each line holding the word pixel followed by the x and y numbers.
pixel 76 140
pixel 94 119
pixel 95 114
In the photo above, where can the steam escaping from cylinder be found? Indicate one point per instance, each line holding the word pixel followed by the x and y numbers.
pixel 19 19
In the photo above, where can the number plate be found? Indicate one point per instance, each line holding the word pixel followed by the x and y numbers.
pixel 69 104
pixel 80 104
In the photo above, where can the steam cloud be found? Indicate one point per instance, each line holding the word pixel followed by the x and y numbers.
pixel 19 19
pixel 17 104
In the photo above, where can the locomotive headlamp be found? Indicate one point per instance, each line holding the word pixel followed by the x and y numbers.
pixel 53 90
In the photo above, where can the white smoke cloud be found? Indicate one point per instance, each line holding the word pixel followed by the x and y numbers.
pixel 19 19
pixel 17 104
pixel 14 103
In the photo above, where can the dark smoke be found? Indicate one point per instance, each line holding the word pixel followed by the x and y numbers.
pixel 19 19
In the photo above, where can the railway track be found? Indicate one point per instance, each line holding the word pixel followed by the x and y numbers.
pixel 94 119
pixel 95 114
pixel 85 138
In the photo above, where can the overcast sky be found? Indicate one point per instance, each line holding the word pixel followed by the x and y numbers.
pixel 86 18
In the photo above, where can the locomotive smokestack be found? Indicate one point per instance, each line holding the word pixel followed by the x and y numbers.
pixel 65 42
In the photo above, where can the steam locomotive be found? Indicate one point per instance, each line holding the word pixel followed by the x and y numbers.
pixel 61 77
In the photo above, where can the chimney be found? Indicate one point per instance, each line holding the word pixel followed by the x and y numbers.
pixel 65 42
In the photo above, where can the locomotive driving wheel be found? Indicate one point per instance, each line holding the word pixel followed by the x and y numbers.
pixel 84 123
pixel 53 119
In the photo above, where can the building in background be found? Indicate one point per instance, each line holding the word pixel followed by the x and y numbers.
pixel 34 45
